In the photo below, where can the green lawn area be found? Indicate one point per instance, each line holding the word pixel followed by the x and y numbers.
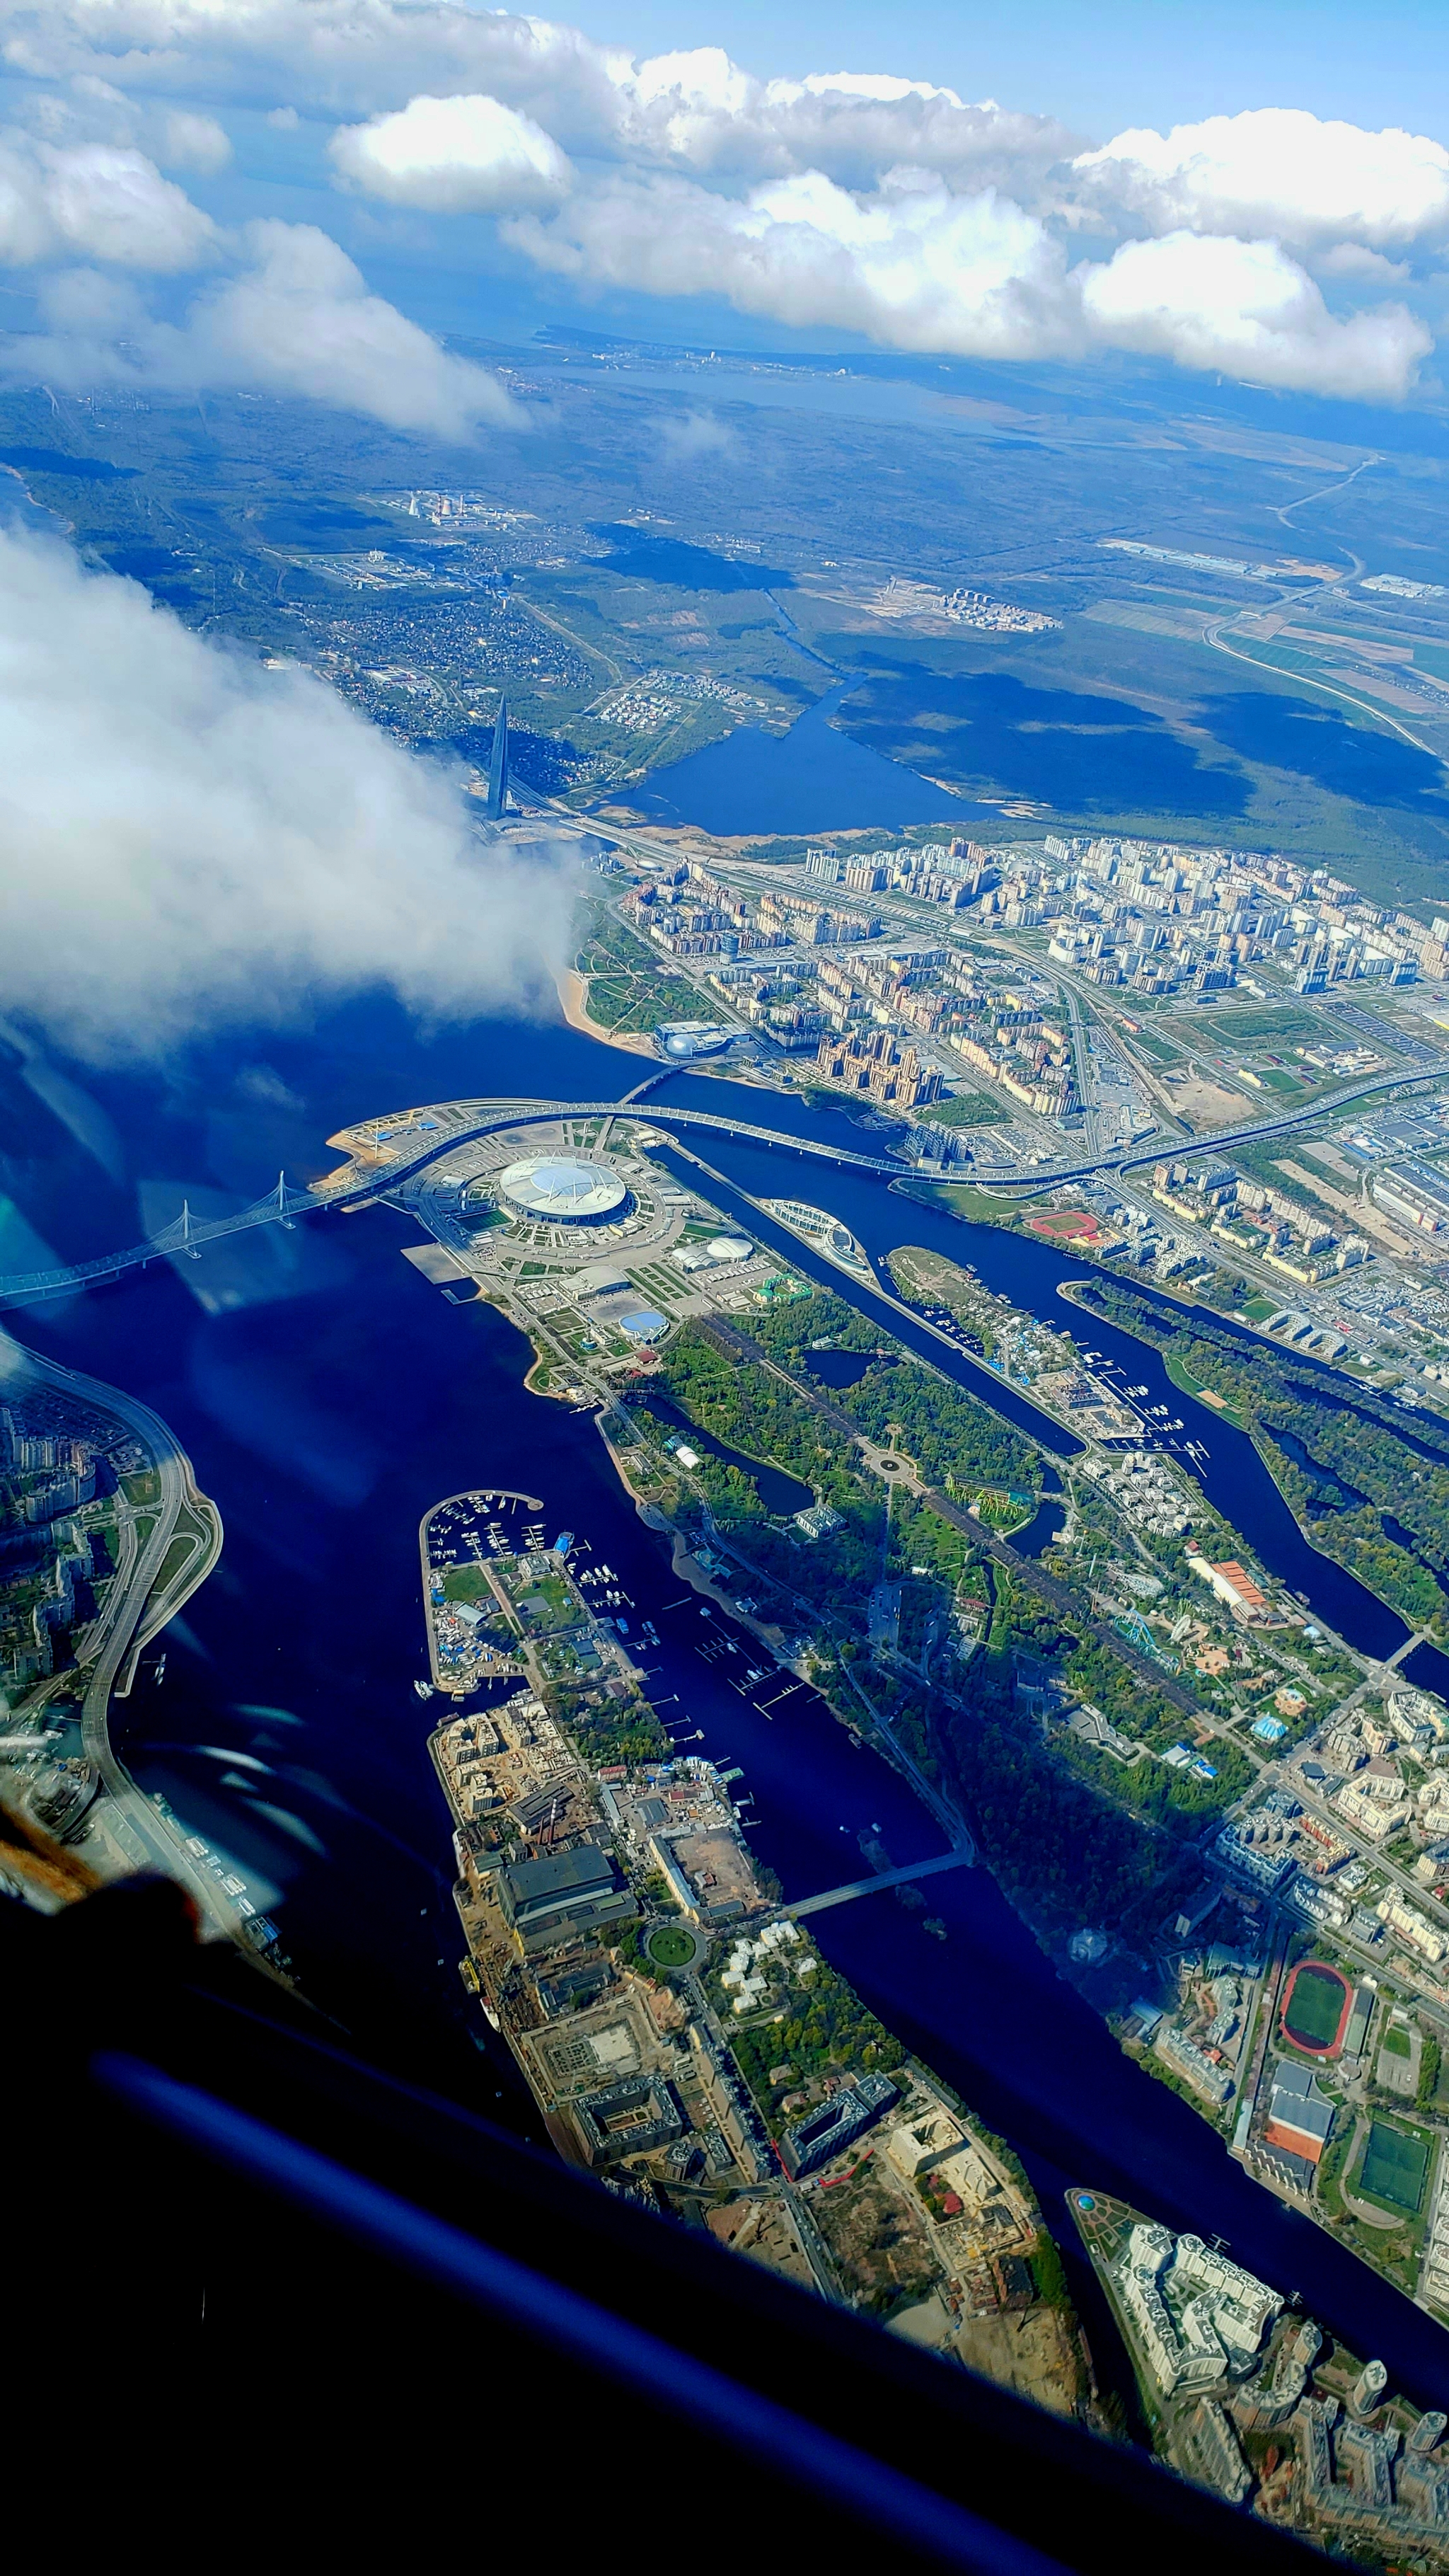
pixel 1004 1511
pixel 1189 1385
pixel 1395 2166
pixel 543 1603
pixel 177 1555
pixel 1278 1078
pixel 966 1109
pixel 963 1198
pixel 1296 1026
pixel 670 1946
pixel 466 1583
pixel 1396 2042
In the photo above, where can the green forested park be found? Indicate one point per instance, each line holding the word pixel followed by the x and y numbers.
pixel 945 1430
pixel 626 993
pixel 1048 1834
pixel 897 1402
pixel 752 1411
pixel 1060 1822
pixel 825 2029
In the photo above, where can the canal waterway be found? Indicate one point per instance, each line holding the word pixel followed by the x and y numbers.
pixel 1032 1273
pixel 328 1395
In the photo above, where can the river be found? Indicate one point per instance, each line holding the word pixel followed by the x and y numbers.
pixel 327 1395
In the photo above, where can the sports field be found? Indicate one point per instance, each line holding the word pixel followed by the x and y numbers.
pixel 1066 1225
pixel 1315 2007
pixel 1395 2163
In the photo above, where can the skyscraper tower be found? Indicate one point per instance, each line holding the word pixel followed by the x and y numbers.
pixel 498 763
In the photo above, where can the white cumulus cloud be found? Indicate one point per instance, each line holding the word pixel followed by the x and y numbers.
pixel 293 319
pixel 910 264
pixel 697 434
pixel 869 201
pixel 194 142
pixel 1278 171
pixel 915 266
pixel 299 320
pixel 191 839
pixel 1244 308
pixel 332 57
pixel 95 201
pixel 694 109
pixel 467 155
pixel 699 111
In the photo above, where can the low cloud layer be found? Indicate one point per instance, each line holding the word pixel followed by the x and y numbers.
pixel 1244 308
pixel 284 310
pixel 299 320
pixel 915 267
pixel 96 201
pixel 870 202
pixel 910 265
pixel 290 314
pixel 191 839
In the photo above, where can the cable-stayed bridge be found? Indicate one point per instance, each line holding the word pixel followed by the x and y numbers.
pixel 184 1237
pixel 456 1123
pixel 187 1237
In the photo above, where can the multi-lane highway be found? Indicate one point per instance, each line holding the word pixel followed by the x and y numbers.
pixel 459 1123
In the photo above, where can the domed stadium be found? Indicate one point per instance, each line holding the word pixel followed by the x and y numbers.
pixel 563 1189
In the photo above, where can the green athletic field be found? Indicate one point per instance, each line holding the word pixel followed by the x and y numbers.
pixel 1315 2005
pixel 1394 2167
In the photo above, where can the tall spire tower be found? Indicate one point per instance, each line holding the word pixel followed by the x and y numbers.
pixel 498 763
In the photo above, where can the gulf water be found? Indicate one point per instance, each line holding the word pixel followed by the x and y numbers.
pixel 327 1395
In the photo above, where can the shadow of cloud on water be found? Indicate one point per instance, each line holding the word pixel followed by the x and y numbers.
pixel 991 731
pixel 1325 744
pixel 268 1407
pixel 680 566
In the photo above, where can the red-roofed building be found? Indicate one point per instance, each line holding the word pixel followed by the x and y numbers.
pixel 1294 2141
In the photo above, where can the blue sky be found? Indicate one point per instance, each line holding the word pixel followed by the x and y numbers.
pixel 1097 67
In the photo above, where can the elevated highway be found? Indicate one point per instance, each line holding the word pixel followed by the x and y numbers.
pixel 965 1858
pixel 354 1185
pixel 1167 1149
pixel 456 1123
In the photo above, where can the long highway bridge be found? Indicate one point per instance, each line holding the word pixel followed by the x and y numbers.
pixel 964 1858
pixel 454 1124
